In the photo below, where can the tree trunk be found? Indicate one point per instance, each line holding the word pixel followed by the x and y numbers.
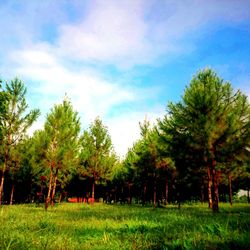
pixel 202 193
pixel 2 178
pixel 118 196
pixel 93 190
pixel 49 190
pixel 61 195
pixel 209 187
pixel 215 190
pixel 166 197
pixel 54 189
pixel 179 199
pixel 144 194
pixel 129 194
pixel 12 194
pixel 1 186
pixel 171 198
pixel 154 193
pixel 230 189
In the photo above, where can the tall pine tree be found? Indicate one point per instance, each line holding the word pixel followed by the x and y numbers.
pixel 14 122
pixel 208 126
pixel 59 144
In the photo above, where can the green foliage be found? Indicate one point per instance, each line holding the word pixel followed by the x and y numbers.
pixel 208 129
pixel 203 139
pixel 3 109
pixel 62 127
pixel 58 142
pixel 147 164
pixel 15 120
pixel 209 116
pixel 58 147
pixel 97 155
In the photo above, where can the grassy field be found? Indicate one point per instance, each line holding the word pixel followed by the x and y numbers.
pixel 100 226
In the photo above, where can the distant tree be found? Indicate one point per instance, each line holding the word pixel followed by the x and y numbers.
pixel 14 122
pixel 146 165
pixel 97 154
pixel 119 182
pixel 243 179
pixel 148 156
pixel 127 174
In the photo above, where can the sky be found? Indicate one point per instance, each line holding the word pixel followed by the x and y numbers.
pixel 123 61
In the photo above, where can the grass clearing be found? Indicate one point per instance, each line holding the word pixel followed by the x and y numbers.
pixel 101 226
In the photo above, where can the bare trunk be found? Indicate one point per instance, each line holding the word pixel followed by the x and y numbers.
pixel 171 187
pixel 116 195
pixel 166 191
pixel 230 189
pixel 129 194
pixel 12 194
pixel 49 190
pixel 179 199
pixel 215 190
pixel 3 172
pixel 1 186
pixel 144 194
pixel 209 187
pixel 202 193
pixel 54 189
pixel 93 190
pixel 61 195
pixel 155 193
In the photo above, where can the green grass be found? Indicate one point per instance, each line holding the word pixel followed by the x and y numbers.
pixel 100 226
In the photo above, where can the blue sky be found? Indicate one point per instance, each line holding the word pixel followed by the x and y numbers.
pixel 121 60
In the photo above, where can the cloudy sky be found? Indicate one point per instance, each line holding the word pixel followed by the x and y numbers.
pixel 121 60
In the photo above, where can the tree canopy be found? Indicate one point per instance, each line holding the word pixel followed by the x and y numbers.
pixel 97 154
pixel 202 143
pixel 14 121
pixel 209 127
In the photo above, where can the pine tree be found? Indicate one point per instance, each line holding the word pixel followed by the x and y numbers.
pixel 146 165
pixel 97 154
pixel 58 145
pixel 209 125
pixel 62 128
pixel 14 122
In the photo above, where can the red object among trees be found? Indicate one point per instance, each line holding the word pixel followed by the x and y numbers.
pixel 80 200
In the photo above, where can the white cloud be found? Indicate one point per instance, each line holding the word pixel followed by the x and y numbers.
pixel 37 125
pixel 110 33
pixel 120 33
pixel 128 33
pixel 125 130
pixel 90 94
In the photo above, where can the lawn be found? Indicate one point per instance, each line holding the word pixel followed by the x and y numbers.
pixel 101 226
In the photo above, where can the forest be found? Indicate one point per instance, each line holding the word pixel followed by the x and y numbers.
pixel 199 151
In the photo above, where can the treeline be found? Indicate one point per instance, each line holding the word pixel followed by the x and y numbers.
pixel 200 150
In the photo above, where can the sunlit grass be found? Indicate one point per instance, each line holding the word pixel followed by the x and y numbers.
pixel 100 226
